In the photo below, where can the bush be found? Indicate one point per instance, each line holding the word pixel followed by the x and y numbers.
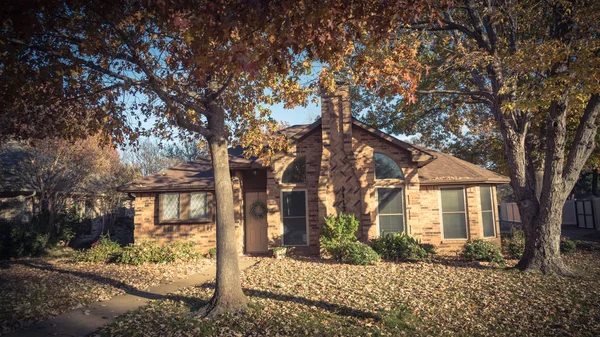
pixel 105 250
pixel 514 245
pixel 151 252
pixel 567 246
pixel 22 240
pixel 356 253
pixel 338 230
pixel 480 250
pixel 401 247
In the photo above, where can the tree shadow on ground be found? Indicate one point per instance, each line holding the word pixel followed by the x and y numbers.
pixel 90 276
pixel 196 303
pixel 331 307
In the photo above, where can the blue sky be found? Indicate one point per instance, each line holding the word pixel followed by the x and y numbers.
pixel 298 115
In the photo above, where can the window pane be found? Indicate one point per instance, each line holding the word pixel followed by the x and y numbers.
pixel 294 231
pixel 391 224
pixel 170 206
pixel 294 203
pixel 453 200
pixel 295 172
pixel 486 198
pixel 454 226
pixel 197 205
pixel 488 223
pixel 390 200
pixel 386 168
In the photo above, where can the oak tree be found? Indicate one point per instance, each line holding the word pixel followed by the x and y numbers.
pixel 209 68
pixel 527 70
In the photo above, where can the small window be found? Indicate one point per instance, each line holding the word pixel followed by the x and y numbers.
pixel 487 211
pixel 198 205
pixel 391 210
pixel 170 206
pixel 454 216
pixel 293 205
pixel 295 172
pixel 386 168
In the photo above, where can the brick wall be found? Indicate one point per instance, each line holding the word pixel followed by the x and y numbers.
pixel 310 147
pixel 202 234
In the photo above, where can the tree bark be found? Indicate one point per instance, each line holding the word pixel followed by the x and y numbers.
pixel 542 243
pixel 228 296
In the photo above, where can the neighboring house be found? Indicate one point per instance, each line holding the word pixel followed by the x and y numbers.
pixel 334 164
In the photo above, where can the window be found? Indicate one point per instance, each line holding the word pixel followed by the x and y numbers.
pixel 295 172
pixel 386 168
pixel 391 210
pixel 197 205
pixel 293 206
pixel 487 211
pixel 170 206
pixel 454 217
pixel 184 206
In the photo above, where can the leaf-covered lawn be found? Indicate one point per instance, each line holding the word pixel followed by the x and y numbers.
pixel 446 298
pixel 35 289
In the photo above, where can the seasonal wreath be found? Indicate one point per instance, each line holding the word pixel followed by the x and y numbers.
pixel 258 209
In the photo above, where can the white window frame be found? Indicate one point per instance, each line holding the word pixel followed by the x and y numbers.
pixel 386 179
pixel 282 228
pixel 493 212
pixel 403 188
pixel 466 211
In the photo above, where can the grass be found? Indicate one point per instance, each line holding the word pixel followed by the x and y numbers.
pixel 307 297
pixel 35 289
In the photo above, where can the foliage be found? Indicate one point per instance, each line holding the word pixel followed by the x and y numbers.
pixel 338 230
pixel 567 246
pixel 108 251
pixel 514 243
pixel 151 252
pixel 517 73
pixel 212 251
pixel 482 250
pixel 356 253
pixel 401 247
pixel 104 250
pixel 22 239
pixel 279 249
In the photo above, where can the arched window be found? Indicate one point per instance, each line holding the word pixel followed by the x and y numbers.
pixel 386 168
pixel 295 172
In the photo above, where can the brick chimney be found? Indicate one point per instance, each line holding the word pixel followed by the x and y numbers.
pixel 339 186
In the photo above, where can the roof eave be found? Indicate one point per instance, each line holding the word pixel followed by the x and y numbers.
pixel 499 181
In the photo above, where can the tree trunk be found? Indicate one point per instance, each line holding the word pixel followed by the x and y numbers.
pixel 542 244
pixel 228 296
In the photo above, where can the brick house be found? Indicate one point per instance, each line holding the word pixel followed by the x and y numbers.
pixel 334 164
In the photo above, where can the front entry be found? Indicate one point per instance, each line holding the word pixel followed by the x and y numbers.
pixel 256 222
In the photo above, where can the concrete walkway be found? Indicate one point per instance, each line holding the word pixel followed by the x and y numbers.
pixel 84 321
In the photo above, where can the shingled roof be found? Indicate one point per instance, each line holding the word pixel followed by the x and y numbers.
pixel 435 168
pixel 191 176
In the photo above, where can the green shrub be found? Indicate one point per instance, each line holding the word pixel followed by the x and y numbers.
pixel 22 240
pixel 514 244
pixel 338 230
pixel 401 247
pixel 481 250
pixel 567 246
pixel 356 253
pixel 104 250
pixel 212 251
pixel 151 252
